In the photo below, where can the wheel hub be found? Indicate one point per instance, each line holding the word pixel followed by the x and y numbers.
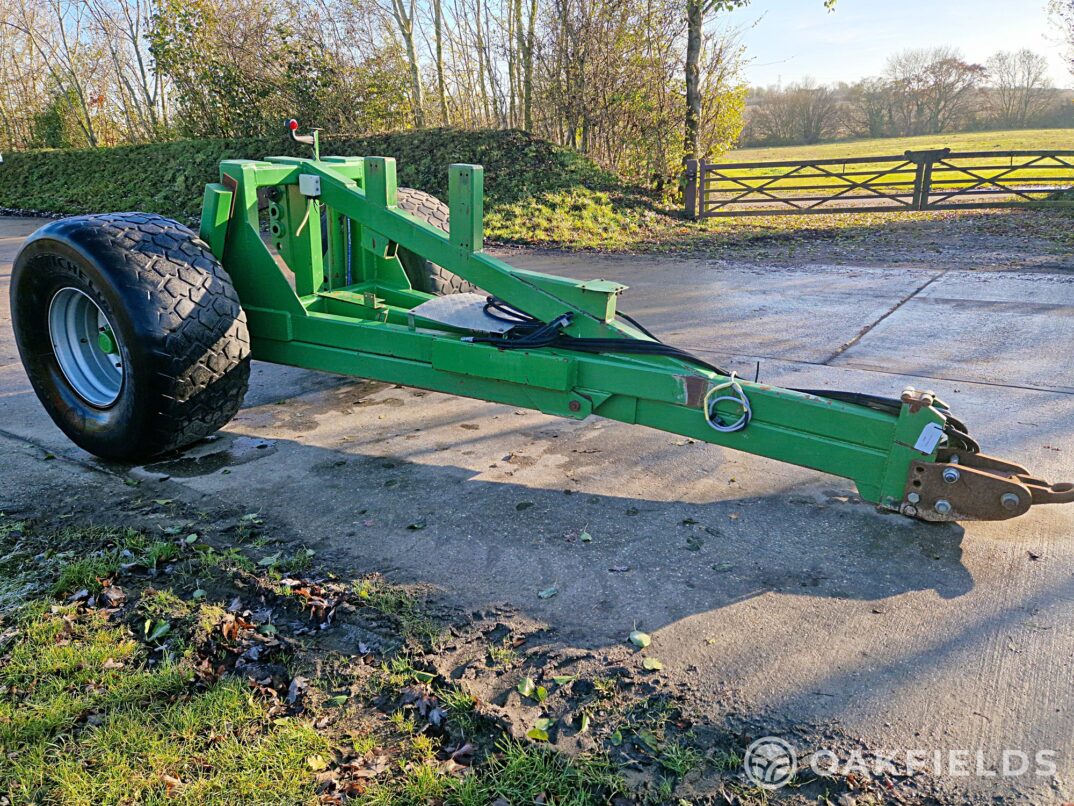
pixel 86 347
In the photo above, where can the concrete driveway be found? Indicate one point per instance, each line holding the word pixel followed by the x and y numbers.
pixel 774 595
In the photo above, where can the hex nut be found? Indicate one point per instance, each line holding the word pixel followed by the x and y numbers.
pixel 1010 500
pixel 913 498
pixel 943 506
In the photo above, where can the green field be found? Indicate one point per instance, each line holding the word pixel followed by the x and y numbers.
pixel 1024 140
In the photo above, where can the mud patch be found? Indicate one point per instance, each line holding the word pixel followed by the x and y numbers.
pixel 210 457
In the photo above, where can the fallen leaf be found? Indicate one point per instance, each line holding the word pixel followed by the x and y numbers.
pixel 584 726
pixel 113 596
pixel 539 731
pixel 648 738
pixel 548 593
pixel 338 701
pixel 156 631
pixel 170 783
pixel 296 689
pixel 526 687
pixel 416 526
pixel 722 567
pixel 162 501
pixel 640 639
pixel 652 665
pixel 112 663
pixel 317 763
pixel 564 679
pixel 585 537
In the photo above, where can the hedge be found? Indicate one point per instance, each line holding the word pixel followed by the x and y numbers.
pixel 169 178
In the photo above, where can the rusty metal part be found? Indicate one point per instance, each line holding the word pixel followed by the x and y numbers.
pixel 917 400
pixel 963 486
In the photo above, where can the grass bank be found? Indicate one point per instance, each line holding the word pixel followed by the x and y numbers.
pixel 535 192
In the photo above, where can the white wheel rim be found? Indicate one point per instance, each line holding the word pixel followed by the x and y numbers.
pixel 86 347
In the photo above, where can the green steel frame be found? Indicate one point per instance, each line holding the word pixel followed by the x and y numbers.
pixel 346 309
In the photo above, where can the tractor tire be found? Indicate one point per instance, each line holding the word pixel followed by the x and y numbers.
pixel 131 333
pixel 424 275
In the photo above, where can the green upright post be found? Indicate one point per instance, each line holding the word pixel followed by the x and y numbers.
pixel 380 184
pixel 466 192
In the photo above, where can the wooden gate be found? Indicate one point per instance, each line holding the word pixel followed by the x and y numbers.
pixel 938 179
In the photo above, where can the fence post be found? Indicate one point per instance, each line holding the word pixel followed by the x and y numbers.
pixel 690 194
pixel 924 160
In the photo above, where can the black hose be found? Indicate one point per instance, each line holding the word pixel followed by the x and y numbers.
pixel 532 333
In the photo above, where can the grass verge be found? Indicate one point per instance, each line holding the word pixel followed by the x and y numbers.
pixel 136 669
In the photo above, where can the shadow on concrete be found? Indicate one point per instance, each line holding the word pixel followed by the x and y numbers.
pixel 648 562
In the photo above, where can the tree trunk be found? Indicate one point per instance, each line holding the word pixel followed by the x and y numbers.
pixel 438 32
pixel 406 29
pixel 695 20
pixel 527 68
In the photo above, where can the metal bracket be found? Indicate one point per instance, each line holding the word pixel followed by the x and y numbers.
pixel 963 486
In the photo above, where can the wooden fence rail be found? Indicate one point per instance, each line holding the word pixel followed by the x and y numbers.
pixel 937 179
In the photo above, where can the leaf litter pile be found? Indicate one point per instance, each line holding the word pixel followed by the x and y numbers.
pixel 185 662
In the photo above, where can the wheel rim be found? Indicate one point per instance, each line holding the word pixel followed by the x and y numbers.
pixel 86 347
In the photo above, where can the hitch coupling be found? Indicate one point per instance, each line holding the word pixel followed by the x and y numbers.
pixel 965 486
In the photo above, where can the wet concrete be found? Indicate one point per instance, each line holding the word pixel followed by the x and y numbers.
pixel 770 590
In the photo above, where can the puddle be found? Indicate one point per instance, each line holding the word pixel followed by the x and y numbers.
pixel 210 457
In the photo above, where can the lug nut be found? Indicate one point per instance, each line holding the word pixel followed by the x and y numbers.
pixel 951 475
pixel 943 506
pixel 1010 500
pixel 913 498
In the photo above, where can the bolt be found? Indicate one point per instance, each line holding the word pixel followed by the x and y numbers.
pixel 574 405
pixel 913 498
pixel 1010 500
pixel 951 475
pixel 943 506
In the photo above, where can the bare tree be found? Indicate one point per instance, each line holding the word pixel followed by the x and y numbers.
pixel 1061 17
pixel 403 12
pixel 55 29
pixel 1019 87
pixel 931 89
pixel 121 25
pixel 696 11
pixel 869 108
pixel 801 113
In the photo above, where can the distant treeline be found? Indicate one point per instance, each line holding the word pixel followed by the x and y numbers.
pixel 931 91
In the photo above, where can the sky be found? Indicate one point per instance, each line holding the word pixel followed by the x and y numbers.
pixel 787 40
